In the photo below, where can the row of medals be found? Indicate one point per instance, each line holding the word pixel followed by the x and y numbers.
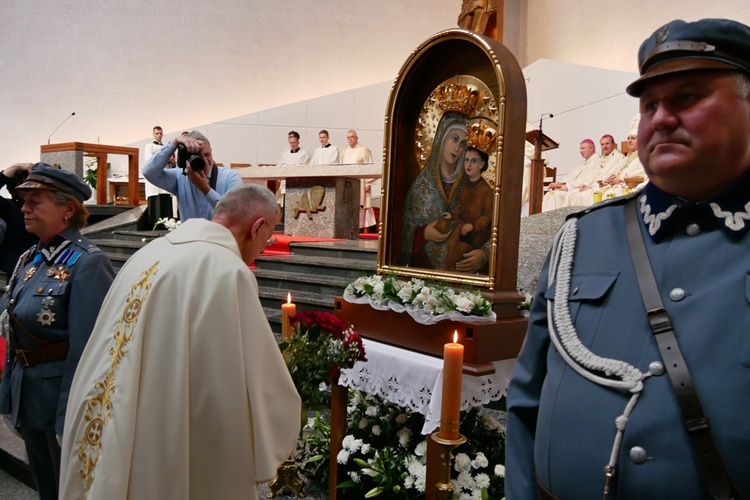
pixel 59 272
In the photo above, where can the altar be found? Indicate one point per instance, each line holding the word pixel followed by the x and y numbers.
pixel 319 200
pixel 414 380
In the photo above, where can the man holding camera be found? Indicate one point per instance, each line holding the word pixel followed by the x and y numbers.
pixel 197 182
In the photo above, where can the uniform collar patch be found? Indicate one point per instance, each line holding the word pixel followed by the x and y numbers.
pixel 730 210
pixel 52 250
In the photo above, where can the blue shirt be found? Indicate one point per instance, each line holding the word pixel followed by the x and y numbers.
pixel 191 201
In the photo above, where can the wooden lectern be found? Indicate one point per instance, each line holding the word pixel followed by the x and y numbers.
pixel 536 186
pixel 100 152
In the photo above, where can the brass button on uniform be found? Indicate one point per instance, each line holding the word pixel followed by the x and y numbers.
pixel 638 454
pixel 693 229
pixel 677 294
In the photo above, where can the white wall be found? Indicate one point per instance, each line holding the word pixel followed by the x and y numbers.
pixel 260 137
pixel 125 66
pixel 586 103
pixel 607 33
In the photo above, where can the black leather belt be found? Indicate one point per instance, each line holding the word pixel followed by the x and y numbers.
pixel 697 424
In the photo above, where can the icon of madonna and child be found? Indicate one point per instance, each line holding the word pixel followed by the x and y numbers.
pixel 447 218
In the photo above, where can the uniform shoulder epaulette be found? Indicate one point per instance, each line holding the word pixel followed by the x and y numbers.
pixel 606 203
pixel 87 245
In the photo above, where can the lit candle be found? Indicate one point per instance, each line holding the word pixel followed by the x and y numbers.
pixel 450 412
pixel 287 310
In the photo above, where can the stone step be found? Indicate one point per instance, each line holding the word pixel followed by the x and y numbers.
pixel 112 246
pixel 301 281
pixel 350 249
pixel 118 259
pixel 127 235
pixel 343 268
pixel 272 298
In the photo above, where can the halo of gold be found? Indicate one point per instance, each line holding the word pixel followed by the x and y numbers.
pixel 463 93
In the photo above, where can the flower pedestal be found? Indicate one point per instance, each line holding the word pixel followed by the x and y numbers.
pixel 483 342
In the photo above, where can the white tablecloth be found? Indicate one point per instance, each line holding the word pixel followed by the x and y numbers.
pixel 415 380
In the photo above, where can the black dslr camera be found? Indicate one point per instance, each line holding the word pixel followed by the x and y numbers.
pixel 197 163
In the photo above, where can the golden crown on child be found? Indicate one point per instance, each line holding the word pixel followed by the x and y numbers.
pixel 482 134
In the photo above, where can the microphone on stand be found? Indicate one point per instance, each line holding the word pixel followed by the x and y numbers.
pixel 541 119
pixel 61 124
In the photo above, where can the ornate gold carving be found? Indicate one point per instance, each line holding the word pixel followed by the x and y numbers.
pixel 287 481
pixel 472 97
pixel 99 406
pixel 312 204
pixel 483 134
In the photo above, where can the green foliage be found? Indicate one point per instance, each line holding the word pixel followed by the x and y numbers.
pixel 320 347
pixel 384 453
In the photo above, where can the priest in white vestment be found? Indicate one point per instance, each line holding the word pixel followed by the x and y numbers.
pixel 295 155
pixel 182 391
pixel 327 153
pixel 582 177
pixel 630 169
pixel 148 151
pixel 610 160
pixel 357 153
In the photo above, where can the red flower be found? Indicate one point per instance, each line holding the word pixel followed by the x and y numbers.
pixel 326 321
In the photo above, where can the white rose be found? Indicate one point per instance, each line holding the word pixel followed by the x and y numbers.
pixel 404 435
pixel 500 470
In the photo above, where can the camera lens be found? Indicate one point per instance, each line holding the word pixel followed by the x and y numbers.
pixel 197 163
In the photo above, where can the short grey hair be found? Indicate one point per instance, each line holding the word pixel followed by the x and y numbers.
pixel 198 136
pixel 743 85
pixel 247 202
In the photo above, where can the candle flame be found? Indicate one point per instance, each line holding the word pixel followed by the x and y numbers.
pixel 288 298
pixel 455 336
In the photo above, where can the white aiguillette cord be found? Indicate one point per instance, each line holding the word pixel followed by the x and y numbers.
pixel 617 374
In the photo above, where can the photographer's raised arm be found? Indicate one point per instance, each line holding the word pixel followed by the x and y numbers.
pixel 155 170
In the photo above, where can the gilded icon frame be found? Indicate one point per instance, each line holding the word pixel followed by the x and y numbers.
pixel 454 71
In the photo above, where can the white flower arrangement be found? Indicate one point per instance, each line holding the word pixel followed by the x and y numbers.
pixel 427 304
pixel 167 223
pixel 384 454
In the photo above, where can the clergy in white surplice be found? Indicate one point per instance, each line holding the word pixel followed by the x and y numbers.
pixel 327 153
pixel 631 169
pixel 582 177
pixel 610 160
pixel 182 391
pixel 357 153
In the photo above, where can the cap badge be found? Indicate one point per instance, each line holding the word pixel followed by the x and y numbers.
pixel 661 34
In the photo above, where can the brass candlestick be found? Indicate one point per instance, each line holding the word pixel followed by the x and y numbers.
pixel 287 480
pixel 444 485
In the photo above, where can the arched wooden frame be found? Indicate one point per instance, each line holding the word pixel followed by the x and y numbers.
pixel 442 56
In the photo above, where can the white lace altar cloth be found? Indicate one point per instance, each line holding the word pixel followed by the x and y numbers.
pixel 415 380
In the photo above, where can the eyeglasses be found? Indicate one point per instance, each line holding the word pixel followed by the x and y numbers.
pixel 267 224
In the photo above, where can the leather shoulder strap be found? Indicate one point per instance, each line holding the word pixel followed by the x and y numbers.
pixel 697 424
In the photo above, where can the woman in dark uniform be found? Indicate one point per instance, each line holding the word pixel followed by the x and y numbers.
pixel 51 303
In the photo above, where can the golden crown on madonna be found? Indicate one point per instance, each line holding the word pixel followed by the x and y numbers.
pixel 458 97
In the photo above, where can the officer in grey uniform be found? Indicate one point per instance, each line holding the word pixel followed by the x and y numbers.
pixel 48 312
pixel 634 377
